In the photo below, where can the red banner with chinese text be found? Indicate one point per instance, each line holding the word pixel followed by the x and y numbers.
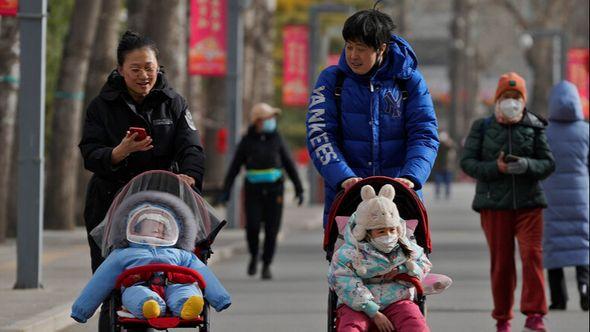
pixel 578 60
pixel 295 65
pixel 8 7
pixel 208 38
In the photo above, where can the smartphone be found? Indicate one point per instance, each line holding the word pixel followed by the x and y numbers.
pixel 510 158
pixel 141 133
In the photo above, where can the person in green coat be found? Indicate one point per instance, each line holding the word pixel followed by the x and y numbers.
pixel 507 153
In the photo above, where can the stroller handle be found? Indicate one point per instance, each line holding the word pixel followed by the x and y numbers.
pixel 138 274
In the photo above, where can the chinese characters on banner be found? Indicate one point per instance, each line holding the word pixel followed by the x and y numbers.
pixel 577 72
pixel 8 7
pixel 295 65
pixel 208 42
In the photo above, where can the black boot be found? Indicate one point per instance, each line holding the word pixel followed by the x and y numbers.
pixel 266 275
pixel 252 266
pixel 584 297
pixel 557 289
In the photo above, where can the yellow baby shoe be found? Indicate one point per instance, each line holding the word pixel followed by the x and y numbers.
pixel 151 309
pixel 192 308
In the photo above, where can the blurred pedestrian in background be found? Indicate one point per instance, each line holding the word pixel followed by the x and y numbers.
pixel 136 94
pixel 264 154
pixel 507 153
pixel 371 114
pixel 444 165
pixel 565 240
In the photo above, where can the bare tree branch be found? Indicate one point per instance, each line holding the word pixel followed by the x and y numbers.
pixel 517 14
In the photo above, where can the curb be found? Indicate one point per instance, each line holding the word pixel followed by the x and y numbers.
pixel 50 320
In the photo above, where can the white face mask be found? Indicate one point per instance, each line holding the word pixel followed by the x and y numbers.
pixel 385 243
pixel 511 108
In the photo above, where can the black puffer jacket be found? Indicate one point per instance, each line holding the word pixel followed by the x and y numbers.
pixel 165 116
pixel 262 151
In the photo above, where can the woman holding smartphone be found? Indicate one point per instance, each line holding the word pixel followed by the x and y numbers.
pixel 136 123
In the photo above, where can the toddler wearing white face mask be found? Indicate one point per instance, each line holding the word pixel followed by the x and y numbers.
pixel 361 272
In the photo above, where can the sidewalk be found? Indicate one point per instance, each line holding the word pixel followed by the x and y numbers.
pixel 66 270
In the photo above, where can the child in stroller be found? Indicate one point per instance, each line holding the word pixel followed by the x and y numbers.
pixel 155 232
pixel 375 250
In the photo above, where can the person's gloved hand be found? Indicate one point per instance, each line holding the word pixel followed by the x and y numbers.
pixel 299 197
pixel 518 166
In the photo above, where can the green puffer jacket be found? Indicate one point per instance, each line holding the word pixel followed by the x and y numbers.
pixel 498 191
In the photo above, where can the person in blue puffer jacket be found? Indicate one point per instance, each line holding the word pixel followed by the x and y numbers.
pixel 372 114
pixel 565 236
pixel 149 228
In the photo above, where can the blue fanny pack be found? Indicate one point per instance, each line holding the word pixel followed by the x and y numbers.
pixel 263 175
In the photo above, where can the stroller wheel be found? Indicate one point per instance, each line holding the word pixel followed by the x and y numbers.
pixel 332 302
pixel 205 315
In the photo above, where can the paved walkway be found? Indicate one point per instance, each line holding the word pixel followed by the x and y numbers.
pixel 459 251
pixel 66 270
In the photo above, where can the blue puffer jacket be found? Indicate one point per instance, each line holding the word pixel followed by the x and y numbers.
pixel 374 133
pixel 565 241
pixel 103 281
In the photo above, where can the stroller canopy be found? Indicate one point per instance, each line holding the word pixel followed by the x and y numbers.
pixel 207 225
pixel 408 204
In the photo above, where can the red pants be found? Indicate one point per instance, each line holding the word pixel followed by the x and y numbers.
pixel 500 228
pixel 405 316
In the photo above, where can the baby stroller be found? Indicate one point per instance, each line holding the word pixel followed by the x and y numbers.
pixel 208 226
pixel 410 208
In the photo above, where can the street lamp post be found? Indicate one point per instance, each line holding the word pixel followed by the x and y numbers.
pixel 31 122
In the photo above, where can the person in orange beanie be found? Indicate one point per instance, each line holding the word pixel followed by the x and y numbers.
pixel 507 153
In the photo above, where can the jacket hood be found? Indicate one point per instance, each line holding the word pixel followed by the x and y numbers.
pixel 187 224
pixel 115 86
pixel 564 103
pixel 533 120
pixel 399 62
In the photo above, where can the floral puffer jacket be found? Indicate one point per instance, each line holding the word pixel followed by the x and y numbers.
pixel 356 290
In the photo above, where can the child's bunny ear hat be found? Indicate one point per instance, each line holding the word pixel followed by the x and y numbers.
pixel 376 211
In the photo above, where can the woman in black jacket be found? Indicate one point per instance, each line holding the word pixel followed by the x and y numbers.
pixel 136 94
pixel 264 155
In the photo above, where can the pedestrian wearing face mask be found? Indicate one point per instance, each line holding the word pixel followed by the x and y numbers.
pixel 507 153
pixel 265 156
pixel 375 249
pixel 565 241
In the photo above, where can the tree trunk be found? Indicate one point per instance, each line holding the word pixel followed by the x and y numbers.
pixel 471 69
pixel 170 34
pixel 539 58
pixel 457 70
pixel 65 135
pixel 259 35
pixel 136 15
pixel 215 116
pixel 9 61
pixel 102 61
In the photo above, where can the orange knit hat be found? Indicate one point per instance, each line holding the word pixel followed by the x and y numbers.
pixel 511 81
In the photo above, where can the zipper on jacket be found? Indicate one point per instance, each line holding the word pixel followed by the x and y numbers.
pixel 512 175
